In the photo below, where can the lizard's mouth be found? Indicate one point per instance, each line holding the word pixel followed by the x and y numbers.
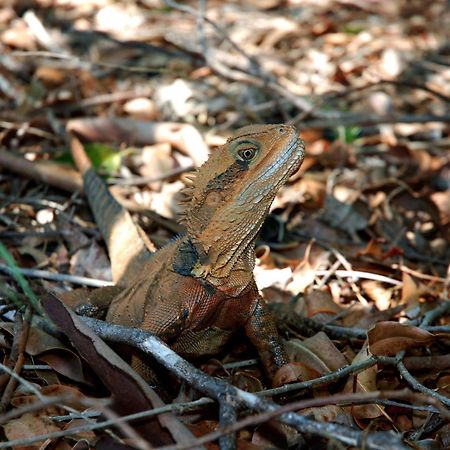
pixel 291 158
pixel 298 147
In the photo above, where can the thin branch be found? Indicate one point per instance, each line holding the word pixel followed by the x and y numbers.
pixel 406 375
pixel 402 83
pixel 356 398
pixel 42 403
pixel 86 64
pixel 371 120
pixel 17 358
pixel 434 314
pixel 329 378
pixel 139 181
pixel 180 408
pixel 30 387
pixel 364 275
pixel 46 275
pixel 216 388
pixel 310 326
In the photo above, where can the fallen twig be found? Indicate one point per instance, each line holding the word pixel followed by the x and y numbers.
pixel 16 358
pixel 355 398
pixel 345 120
pixel 47 173
pixel 217 388
pixel 45 274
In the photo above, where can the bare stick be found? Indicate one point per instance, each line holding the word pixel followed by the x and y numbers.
pixel 51 174
pixel 363 275
pixel 435 313
pixel 397 361
pixel 17 358
pixel 337 399
pixel 371 119
pixel 217 388
pixel 45 274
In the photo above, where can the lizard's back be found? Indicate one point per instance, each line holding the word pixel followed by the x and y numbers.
pixel 205 317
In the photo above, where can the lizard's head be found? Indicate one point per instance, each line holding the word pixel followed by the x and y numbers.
pixel 233 190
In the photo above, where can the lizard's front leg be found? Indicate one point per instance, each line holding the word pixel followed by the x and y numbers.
pixel 262 332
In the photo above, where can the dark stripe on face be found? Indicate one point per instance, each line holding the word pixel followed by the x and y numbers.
pixel 227 178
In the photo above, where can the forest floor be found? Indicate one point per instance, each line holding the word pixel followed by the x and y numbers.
pixel 354 257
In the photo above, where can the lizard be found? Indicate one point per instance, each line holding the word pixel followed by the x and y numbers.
pixel 199 289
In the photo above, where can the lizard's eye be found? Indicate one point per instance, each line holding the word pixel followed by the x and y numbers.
pixel 247 153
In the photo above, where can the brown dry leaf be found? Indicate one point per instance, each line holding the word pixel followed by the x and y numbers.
pixel 55 354
pixel 134 132
pixel 348 217
pixel 204 427
pixel 156 162
pixel 91 262
pixel 297 370
pixel 388 338
pixel 50 76
pixel 66 363
pixel 442 201
pixel 366 381
pixel 19 36
pixel 87 435
pixel 329 413
pixel 53 351
pixel 412 290
pixel 72 394
pixel 247 382
pixel 320 302
pixel 318 355
pixel 443 384
pixel 29 425
pixel 373 249
pixel 304 274
pixel 361 316
pixel 380 294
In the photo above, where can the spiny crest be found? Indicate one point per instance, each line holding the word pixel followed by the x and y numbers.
pixel 186 193
pixel 197 181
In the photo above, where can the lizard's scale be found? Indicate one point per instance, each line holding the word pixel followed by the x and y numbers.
pixel 198 290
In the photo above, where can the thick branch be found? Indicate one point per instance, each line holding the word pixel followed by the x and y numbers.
pixel 218 388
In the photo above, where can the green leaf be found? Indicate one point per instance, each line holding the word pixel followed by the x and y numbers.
pixel 348 135
pixel 103 157
pixel 352 29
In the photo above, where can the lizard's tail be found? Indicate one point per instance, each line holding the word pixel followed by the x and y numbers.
pixel 128 246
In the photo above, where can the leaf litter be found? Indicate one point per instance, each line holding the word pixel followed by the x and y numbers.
pixel 355 255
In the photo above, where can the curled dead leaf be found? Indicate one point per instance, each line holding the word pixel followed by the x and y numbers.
pixel 289 373
pixel 317 352
pixel 365 381
pixel 388 338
